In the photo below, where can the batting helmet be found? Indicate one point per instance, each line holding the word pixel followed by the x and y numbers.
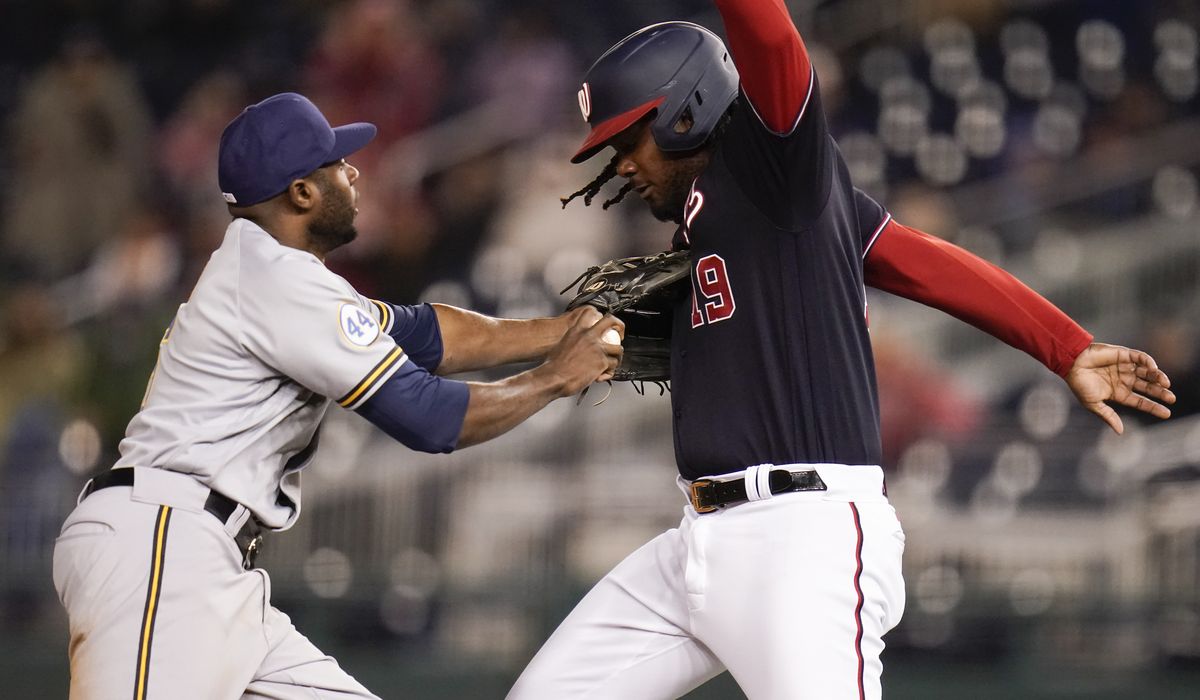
pixel 675 67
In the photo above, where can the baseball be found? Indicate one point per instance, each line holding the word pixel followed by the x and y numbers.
pixel 611 336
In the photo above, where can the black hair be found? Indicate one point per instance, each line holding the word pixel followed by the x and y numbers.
pixel 590 190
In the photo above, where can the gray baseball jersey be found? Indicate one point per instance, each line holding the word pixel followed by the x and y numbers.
pixel 248 368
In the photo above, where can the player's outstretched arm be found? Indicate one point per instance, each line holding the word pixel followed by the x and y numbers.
pixel 917 266
pixel 576 361
pixel 473 341
pixel 435 414
pixel 771 58
pixel 1104 373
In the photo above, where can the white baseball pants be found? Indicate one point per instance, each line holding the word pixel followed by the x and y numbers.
pixel 792 594
pixel 160 607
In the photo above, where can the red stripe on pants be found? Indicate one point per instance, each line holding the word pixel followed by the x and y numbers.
pixel 862 693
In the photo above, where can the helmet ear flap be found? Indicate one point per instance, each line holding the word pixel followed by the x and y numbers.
pixel 674 128
pixel 698 94
pixel 685 122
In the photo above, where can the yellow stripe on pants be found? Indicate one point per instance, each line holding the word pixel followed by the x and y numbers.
pixel 153 592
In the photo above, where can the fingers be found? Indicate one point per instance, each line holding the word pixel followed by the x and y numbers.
pixel 1146 379
pixel 1144 367
pixel 1125 359
pixel 604 329
pixel 606 322
pixel 1099 355
pixel 1153 376
pixel 614 361
pixel 1144 405
pixel 1123 376
pixel 1140 393
pixel 582 357
pixel 1157 391
pixel 585 316
pixel 586 356
pixel 615 354
pixel 1143 359
pixel 1108 416
pixel 613 351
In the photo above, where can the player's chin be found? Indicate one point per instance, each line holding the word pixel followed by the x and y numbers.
pixel 666 212
pixel 330 238
pixel 669 205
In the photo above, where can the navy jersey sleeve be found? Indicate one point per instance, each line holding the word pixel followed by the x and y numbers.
pixel 777 144
pixel 872 220
pixel 420 410
pixel 414 328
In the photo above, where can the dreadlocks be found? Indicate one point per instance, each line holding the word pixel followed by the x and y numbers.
pixel 592 189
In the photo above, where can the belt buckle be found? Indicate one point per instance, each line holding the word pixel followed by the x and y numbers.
pixel 251 554
pixel 696 504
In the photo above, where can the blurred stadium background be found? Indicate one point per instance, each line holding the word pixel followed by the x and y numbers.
pixel 1061 139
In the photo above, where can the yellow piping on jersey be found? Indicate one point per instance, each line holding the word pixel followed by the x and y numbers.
pixel 372 377
pixel 161 344
pixel 385 315
pixel 153 594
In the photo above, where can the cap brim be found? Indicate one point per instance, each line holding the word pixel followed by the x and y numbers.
pixel 350 138
pixel 609 128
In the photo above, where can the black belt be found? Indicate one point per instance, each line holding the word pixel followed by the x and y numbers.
pixel 709 495
pixel 248 538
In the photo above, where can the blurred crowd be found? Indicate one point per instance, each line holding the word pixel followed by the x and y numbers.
pixel 109 210
pixel 962 117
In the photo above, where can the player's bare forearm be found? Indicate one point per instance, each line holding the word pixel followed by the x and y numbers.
pixel 1105 373
pixel 497 407
pixel 473 341
pixel 579 358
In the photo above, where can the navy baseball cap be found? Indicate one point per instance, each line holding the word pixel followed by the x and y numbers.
pixel 282 138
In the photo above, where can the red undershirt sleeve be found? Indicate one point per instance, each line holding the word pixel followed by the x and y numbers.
pixel 775 71
pixel 923 268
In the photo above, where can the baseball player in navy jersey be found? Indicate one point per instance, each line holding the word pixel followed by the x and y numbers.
pixel 155 564
pixel 786 566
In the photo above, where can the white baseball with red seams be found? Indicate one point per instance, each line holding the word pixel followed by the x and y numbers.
pixel 611 336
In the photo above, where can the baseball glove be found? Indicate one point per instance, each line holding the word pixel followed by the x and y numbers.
pixel 640 291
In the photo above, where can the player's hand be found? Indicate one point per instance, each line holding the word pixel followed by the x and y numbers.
pixel 589 314
pixel 581 357
pixel 1128 377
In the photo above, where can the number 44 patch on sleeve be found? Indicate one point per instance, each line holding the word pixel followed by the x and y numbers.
pixel 357 326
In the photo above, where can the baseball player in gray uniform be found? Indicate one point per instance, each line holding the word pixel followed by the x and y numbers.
pixel 155 566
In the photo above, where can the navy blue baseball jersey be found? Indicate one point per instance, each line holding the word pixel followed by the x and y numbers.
pixel 771 356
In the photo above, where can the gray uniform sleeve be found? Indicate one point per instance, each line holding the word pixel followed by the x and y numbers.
pixel 309 324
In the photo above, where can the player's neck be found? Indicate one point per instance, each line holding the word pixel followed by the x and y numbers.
pixel 292 235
